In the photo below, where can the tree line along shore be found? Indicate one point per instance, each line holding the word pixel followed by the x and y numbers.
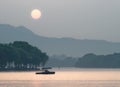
pixel 20 55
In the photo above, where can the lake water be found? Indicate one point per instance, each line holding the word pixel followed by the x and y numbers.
pixel 63 78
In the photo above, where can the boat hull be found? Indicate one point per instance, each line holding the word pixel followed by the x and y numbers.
pixel 45 72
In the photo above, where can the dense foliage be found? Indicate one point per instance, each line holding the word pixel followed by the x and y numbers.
pixel 21 55
pixel 99 61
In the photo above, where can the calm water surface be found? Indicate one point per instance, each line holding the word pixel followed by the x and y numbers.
pixel 63 78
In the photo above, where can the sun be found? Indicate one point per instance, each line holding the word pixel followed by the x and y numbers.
pixel 36 14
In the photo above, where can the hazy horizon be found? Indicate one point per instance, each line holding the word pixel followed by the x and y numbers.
pixel 81 19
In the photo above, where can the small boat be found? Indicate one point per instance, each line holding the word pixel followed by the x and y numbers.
pixel 45 72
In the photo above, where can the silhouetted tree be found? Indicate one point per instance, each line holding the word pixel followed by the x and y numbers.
pixel 21 55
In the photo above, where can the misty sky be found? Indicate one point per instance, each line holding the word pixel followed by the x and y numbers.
pixel 83 19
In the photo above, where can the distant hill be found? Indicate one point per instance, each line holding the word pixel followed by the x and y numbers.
pixel 58 46
pixel 99 61
pixel 61 61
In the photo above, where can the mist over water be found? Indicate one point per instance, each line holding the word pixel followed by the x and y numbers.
pixel 60 83
pixel 63 78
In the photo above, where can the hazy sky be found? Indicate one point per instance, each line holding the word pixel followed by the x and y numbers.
pixel 84 19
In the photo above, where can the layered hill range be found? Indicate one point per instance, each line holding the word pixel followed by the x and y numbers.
pixel 57 46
